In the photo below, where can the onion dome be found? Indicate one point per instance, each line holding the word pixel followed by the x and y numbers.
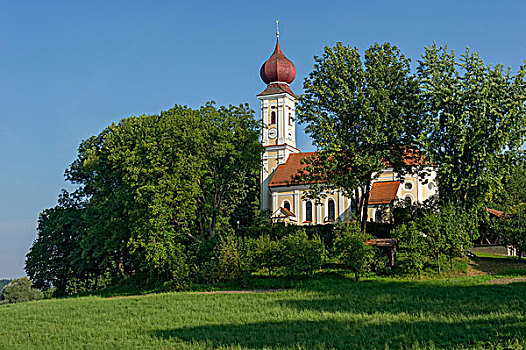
pixel 278 72
pixel 278 68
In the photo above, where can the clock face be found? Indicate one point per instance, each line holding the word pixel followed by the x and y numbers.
pixel 272 133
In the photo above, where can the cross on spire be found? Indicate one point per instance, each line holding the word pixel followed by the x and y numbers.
pixel 277 28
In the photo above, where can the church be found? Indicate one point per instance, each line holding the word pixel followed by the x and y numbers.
pixel 281 161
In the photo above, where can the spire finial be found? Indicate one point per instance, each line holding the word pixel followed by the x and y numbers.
pixel 277 28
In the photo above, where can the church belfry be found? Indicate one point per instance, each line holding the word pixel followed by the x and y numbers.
pixel 278 111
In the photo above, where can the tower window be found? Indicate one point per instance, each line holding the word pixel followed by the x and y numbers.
pixel 272 117
pixel 290 118
pixel 331 212
pixel 286 205
pixel 308 211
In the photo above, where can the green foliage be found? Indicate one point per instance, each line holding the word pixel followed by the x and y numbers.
pixel 351 249
pixel 511 229
pixel 3 283
pixel 228 258
pixel 55 258
pixel 301 255
pixel 413 247
pixel 359 114
pixel 435 233
pixel 475 117
pixel 19 290
pixel 513 185
pixel 266 253
pixel 147 187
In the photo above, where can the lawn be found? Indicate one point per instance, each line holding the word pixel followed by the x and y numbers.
pixel 327 312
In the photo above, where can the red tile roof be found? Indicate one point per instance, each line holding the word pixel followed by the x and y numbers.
pixel 383 192
pixel 285 172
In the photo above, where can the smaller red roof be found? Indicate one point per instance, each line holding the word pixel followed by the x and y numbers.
pixel 497 213
pixel 283 213
pixel 276 88
pixel 383 192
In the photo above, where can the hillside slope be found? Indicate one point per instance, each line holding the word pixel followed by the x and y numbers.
pixel 326 313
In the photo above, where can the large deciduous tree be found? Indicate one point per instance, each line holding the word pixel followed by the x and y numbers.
pixel 361 116
pixel 475 121
pixel 149 185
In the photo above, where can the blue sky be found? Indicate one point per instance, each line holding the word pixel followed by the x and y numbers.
pixel 68 69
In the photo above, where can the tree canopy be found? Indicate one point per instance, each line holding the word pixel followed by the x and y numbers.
pixel 475 118
pixel 147 187
pixel 361 116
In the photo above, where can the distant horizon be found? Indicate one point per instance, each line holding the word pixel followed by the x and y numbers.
pixel 71 69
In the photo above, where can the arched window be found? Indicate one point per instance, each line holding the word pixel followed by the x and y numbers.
pixel 308 211
pixel 286 205
pixel 272 117
pixel 408 200
pixel 290 118
pixel 331 210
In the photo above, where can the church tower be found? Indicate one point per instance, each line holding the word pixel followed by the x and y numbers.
pixel 278 108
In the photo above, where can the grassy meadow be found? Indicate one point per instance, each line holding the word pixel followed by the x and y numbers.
pixel 330 311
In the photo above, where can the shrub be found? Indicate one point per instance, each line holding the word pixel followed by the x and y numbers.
pixel 265 253
pixel 228 258
pixel 301 255
pixel 351 249
pixel 20 290
pixel 412 245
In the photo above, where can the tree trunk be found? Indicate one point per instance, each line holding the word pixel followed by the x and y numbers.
pixel 438 262
pixel 356 276
pixel 365 211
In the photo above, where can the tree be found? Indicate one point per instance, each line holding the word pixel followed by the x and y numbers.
pixel 457 228
pixel 361 117
pixel 20 290
pixel 150 185
pixel 230 158
pixel 513 191
pixel 448 232
pixel 474 113
pixel 351 249
pixel 54 259
pixel 413 246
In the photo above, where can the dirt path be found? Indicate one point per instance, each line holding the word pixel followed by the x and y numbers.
pixel 506 280
pixel 242 291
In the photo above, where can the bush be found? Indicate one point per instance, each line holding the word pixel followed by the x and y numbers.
pixel 413 245
pixel 265 253
pixel 351 249
pixel 20 290
pixel 228 258
pixel 301 255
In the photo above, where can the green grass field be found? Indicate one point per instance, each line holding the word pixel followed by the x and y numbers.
pixel 328 312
